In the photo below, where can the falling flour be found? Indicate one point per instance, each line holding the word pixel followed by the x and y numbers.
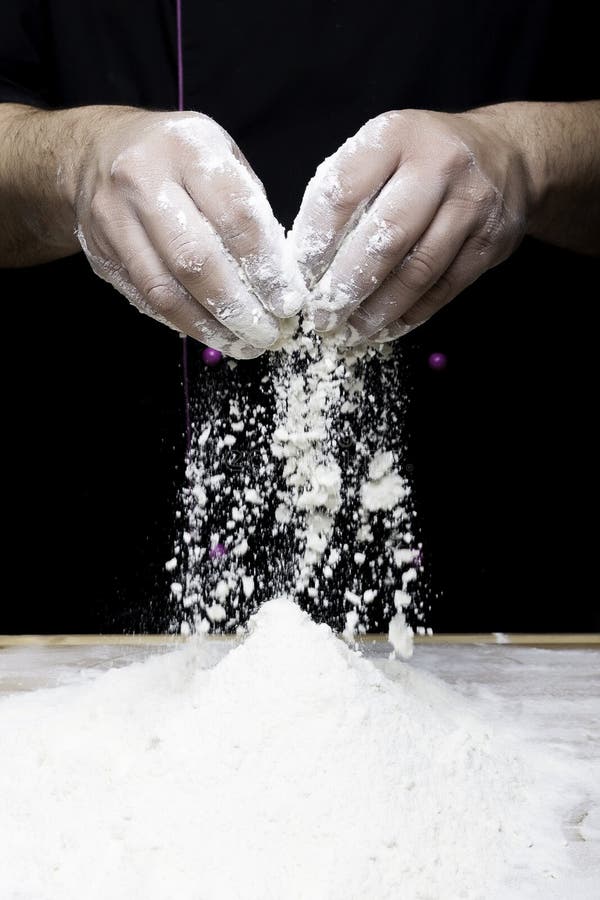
pixel 306 469
pixel 289 768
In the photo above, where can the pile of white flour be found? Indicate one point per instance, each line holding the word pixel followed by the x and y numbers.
pixel 292 769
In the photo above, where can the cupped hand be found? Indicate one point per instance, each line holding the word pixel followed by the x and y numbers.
pixel 170 213
pixel 405 215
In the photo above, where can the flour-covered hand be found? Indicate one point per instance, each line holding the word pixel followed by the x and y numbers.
pixel 170 213
pixel 405 215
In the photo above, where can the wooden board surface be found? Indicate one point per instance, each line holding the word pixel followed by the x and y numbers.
pixel 578 641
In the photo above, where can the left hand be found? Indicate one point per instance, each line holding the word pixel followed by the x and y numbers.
pixel 405 215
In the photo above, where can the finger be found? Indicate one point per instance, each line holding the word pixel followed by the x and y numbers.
pixel 392 332
pixel 143 279
pixel 196 258
pixel 239 155
pixel 169 301
pixel 341 189
pixel 463 271
pixel 420 269
pixel 241 215
pixel 393 225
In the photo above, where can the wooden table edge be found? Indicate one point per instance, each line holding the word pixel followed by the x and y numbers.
pixel 558 641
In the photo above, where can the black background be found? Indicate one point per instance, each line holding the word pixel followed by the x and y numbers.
pixel 502 441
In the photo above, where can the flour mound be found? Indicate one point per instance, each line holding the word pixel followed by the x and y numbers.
pixel 289 768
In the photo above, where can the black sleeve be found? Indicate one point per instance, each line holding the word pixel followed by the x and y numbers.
pixel 23 75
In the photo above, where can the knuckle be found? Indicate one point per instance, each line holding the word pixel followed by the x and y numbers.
pixel 417 271
pixel 438 295
pixel 101 210
pixel 442 291
pixel 396 119
pixel 416 316
pixel 496 222
pixel 486 201
pixel 387 122
pixel 480 245
pixel 388 241
pixel 489 197
pixel 339 192
pixel 210 129
pixel 125 170
pixel 239 225
pixel 163 294
pixel 456 163
pixel 189 258
pixel 368 319
pixel 461 156
pixel 194 136
pixel 420 312
pixel 483 241
pixel 454 154
pixel 477 202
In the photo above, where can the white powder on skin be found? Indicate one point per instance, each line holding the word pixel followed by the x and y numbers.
pixel 291 769
pixel 215 160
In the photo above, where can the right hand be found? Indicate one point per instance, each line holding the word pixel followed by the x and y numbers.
pixel 171 214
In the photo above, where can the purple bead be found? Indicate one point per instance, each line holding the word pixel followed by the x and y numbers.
pixel 437 361
pixel 217 551
pixel 211 357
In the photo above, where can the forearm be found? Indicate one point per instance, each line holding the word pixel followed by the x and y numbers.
pixel 560 145
pixel 40 157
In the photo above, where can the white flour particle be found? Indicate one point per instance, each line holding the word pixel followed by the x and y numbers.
pixel 248 585
pixel 251 495
pixel 384 492
pixel 216 613
pixel 400 636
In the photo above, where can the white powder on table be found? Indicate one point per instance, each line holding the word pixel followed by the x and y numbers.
pixel 291 769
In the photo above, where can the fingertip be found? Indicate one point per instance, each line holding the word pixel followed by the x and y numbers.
pixel 311 251
pixel 238 349
pixel 226 342
pixel 266 334
pixel 287 329
pixel 392 332
pixel 288 303
pixel 352 337
pixel 247 352
pixel 326 321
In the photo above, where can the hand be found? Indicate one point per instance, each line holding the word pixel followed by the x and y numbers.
pixel 405 215
pixel 170 213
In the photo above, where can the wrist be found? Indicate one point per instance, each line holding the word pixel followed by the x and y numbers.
pixel 79 157
pixel 69 162
pixel 519 124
